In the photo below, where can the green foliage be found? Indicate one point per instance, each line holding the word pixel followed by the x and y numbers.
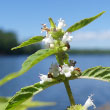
pixel 7 41
pixel 4 99
pixel 89 51
pixel 29 63
pixel 76 107
pixel 98 72
pixel 28 104
pixel 83 23
pixel 62 58
pixel 3 102
pixel 26 93
pixel 52 24
pixel 57 34
pixel 32 40
pixel 29 91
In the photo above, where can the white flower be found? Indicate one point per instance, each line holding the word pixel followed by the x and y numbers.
pixel 67 38
pixel 44 78
pixel 54 69
pixel 61 23
pixel 66 70
pixel 89 102
pixel 48 40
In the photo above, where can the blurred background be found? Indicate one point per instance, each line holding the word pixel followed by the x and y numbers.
pixel 20 20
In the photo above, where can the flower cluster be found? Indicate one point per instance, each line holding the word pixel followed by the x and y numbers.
pixel 49 41
pixel 55 71
pixel 66 70
pixel 44 78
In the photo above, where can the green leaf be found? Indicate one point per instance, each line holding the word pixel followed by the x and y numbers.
pixel 32 40
pixel 3 102
pixel 28 104
pixel 2 106
pixel 4 99
pixel 98 73
pixel 26 93
pixel 29 63
pixel 52 24
pixel 37 104
pixel 62 58
pixel 83 23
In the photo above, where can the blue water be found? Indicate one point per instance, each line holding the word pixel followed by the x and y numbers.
pixel 81 88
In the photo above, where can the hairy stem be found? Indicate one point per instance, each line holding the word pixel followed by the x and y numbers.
pixel 69 92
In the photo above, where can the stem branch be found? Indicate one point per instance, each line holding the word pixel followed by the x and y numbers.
pixel 69 92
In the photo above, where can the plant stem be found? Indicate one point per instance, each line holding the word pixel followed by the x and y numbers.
pixel 69 92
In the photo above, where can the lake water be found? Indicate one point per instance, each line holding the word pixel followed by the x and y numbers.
pixel 81 88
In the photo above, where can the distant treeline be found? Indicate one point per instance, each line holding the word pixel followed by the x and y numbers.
pixel 9 40
pixel 88 51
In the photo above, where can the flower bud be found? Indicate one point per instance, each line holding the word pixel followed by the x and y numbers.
pixel 52 46
pixel 64 48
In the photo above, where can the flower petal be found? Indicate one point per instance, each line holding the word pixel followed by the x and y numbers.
pixel 68 74
pixel 89 102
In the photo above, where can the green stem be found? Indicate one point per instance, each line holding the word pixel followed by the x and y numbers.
pixel 69 92
pixel 62 58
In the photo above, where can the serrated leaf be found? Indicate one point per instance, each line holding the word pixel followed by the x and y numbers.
pixel 26 93
pixel 32 40
pixel 83 23
pixel 98 73
pixel 52 24
pixel 29 63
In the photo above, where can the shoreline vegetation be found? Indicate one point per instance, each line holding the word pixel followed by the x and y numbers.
pixel 89 51
pixel 73 51
pixel 9 40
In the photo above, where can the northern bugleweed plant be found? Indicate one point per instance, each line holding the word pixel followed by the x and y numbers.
pixel 56 42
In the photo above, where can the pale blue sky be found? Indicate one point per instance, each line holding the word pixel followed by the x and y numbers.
pixel 26 16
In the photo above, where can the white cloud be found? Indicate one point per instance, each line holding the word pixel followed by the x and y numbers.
pixel 92 35
pixel 91 39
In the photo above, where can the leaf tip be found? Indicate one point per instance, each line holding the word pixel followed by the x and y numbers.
pixel 102 12
pixel 12 48
pixel 50 18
